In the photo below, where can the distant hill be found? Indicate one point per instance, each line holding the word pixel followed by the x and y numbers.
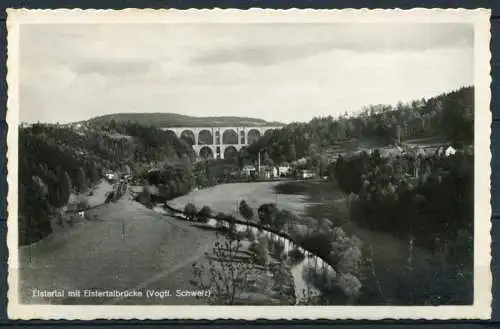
pixel 179 120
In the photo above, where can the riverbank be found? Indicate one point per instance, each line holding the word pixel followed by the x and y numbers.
pixel 268 283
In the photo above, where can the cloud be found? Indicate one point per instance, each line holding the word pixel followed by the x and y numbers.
pixel 292 44
pixel 113 68
pixel 278 72
pixel 263 55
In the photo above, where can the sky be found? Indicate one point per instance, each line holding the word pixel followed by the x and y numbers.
pixel 277 72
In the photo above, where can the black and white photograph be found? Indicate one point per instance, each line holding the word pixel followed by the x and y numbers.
pixel 333 163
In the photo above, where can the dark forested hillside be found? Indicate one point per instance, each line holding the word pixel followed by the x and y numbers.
pixel 449 116
pixel 57 160
pixel 179 120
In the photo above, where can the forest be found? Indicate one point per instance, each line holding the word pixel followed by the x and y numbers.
pixel 57 160
pixel 449 116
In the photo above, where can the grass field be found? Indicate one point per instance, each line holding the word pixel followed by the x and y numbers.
pixel 131 247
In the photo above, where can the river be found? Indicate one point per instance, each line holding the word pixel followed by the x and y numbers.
pixel 314 200
pixel 225 198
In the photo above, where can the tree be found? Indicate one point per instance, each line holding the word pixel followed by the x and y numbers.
pixel 267 213
pixel 267 160
pixel 292 154
pixel 190 210
pixel 227 278
pixel 81 181
pixel 34 221
pixel 95 174
pixel 260 251
pixel 204 214
pixel 58 187
pixel 281 218
pixel 246 211
pixel 68 180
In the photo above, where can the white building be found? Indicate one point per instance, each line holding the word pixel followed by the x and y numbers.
pixel 284 170
pixel 306 174
pixel 450 151
pixel 248 170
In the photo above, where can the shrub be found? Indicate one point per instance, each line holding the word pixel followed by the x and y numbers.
pixel 204 214
pixel 190 210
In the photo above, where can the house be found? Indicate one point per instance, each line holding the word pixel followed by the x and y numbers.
pixel 268 172
pixel 449 151
pixel 307 174
pixel 284 170
pixel 248 170
pixel 111 176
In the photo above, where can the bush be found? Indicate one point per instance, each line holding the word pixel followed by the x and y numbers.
pixel 190 210
pixel 204 214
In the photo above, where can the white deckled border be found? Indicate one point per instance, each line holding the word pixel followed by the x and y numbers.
pixel 479 18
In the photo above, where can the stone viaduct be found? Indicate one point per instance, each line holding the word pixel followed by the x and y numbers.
pixel 219 142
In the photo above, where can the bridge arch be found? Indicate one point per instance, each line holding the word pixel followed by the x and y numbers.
pixel 253 135
pixel 206 153
pixel 188 136
pixel 229 137
pixel 205 137
pixel 230 152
